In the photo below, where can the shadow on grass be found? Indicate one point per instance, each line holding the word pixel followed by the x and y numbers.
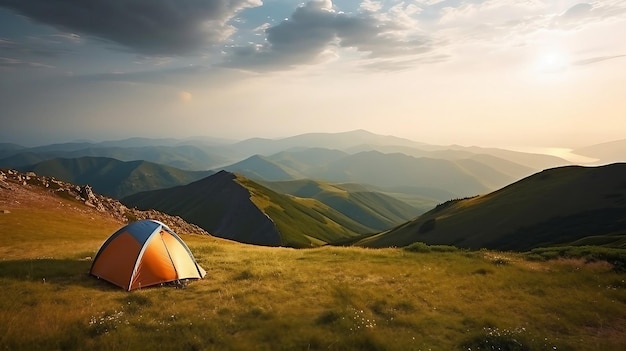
pixel 61 272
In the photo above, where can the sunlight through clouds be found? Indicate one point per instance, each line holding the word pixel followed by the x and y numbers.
pixel 185 96
pixel 431 70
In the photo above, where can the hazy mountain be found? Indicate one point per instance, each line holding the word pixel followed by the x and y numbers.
pixel 339 141
pixel 393 170
pixel 452 178
pixel 260 168
pixel 518 164
pixel 566 205
pixel 234 207
pixel 186 157
pixel 8 149
pixel 373 209
pixel 613 151
pixel 115 178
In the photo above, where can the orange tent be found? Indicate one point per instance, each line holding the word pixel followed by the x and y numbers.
pixel 144 253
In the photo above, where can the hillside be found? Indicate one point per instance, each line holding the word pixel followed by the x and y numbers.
pixel 394 170
pixel 373 209
pixel 40 201
pixel 328 298
pixel 115 178
pixel 187 157
pixel 424 176
pixel 566 205
pixel 265 298
pixel 233 207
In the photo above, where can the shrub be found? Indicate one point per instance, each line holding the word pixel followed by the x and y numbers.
pixel 418 247
pixel 444 248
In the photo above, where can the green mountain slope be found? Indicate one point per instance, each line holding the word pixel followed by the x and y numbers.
pixel 394 170
pixel 373 209
pixel 233 207
pixel 426 177
pixel 113 177
pixel 558 206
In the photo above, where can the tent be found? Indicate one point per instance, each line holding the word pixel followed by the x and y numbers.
pixel 144 253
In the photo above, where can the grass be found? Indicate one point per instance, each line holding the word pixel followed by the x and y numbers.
pixel 329 298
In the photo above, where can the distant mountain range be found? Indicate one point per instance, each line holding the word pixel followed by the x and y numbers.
pixel 567 205
pixel 328 188
pixel 411 171
pixel 446 177
pixel 112 177
pixel 233 207
pixel 187 157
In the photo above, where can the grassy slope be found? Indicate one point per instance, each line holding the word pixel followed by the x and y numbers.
pixel 115 178
pixel 284 299
pixel 375 210
pixel 239 209
pixel 560 205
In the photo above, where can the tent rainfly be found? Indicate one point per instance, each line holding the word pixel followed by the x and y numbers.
pixel 144 253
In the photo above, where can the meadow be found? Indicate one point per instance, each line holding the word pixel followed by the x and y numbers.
pixel 328 298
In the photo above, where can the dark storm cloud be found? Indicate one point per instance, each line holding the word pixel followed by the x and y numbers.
pixel 169 27
pixel 305 37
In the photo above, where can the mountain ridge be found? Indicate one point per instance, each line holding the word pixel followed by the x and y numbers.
pixel 233 207
pixel 556 206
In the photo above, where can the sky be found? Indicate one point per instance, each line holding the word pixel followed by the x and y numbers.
pixel 506 73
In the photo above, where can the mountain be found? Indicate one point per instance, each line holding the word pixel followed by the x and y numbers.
pixel 187 157
pixel 393 170
pixel 373 209
pixel 610 152
pixel 8 149
pixel 339 141
pixel 112 177
pixel 566 205
pixel 233 207
pixel 285 165
pixel 449 178
pixel 514 163
pixel 260 168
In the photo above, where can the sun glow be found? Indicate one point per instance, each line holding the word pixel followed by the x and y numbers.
pixel 552 62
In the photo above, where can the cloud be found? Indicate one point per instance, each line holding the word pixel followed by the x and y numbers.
pixel 10 63
pixel 316 30
pixel 596 60
pixel 167 27
pixel 584 13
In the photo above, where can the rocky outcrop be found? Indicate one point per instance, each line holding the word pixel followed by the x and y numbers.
pixel 14 181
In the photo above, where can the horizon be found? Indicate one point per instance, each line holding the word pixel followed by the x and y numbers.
pixel 505 74
pixel 567 154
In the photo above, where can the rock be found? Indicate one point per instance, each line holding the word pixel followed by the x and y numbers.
pixel 5 211
pixel 85 195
